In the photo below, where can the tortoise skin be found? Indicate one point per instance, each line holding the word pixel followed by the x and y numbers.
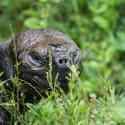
pixel 33 49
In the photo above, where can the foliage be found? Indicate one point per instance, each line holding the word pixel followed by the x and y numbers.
pixel 98 27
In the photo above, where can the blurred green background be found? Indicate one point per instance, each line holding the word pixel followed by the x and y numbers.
pixel 97 26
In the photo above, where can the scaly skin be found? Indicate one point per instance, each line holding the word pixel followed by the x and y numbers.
pixel 33 49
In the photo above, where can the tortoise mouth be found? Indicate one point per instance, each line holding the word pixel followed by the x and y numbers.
pixel 38 78
pixel 41 83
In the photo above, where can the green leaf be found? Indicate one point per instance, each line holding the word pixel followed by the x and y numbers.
pixel 119 111
pixel 32 23
pixel 101 22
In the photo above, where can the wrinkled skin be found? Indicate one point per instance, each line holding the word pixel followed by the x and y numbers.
pixel 35 50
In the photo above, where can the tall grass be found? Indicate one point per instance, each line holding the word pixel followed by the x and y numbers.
pixel 78 107
pixel 98 27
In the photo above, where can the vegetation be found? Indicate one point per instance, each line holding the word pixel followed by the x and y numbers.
pixel 98 27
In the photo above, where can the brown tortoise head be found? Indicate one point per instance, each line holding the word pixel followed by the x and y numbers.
pixel 36 51
pixel 33 48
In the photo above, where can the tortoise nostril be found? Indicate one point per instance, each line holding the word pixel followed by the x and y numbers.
pixel 62 61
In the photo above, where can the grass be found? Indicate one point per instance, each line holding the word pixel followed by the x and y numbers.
pixel 97 26
pixel 79 107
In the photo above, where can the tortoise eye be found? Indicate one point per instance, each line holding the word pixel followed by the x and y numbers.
pixel 35 56
pixel 37 59
pixel 34 59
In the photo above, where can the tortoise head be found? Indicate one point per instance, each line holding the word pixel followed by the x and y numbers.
pixel 40 50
